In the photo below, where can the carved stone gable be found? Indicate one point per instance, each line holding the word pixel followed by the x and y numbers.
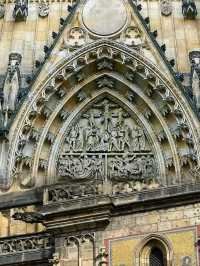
pixel 105 144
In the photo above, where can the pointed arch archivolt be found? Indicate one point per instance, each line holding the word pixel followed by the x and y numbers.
pixel 84 106
pixel 165 104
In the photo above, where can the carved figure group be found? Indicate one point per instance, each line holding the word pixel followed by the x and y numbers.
pixel 106 143
pixel 131 167
pixel 106 129
pixel 82 167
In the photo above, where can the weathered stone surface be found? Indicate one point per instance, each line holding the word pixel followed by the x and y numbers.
pixel 104 18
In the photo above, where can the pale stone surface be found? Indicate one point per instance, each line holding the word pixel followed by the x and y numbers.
pixel 104 17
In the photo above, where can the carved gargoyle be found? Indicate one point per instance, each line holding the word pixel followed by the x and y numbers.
pixel 20 11
pixel 189 9
pixel 28 217
pixel 194 57
pixel 12 82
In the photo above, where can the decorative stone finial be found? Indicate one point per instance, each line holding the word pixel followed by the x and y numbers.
pixel 20 11
pixel 189 9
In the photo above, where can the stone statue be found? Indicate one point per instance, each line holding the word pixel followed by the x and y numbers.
pixel 194 57
pixel 12 82
pixel 43 8
pixel 189 9
pixel 2 10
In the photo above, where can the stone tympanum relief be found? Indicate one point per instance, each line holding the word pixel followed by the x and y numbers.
pixel 106 143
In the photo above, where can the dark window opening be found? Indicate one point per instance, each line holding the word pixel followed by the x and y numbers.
pixel 156 257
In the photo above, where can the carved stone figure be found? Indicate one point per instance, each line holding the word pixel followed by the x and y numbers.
pixel 106 143
pixel 131 167
pixel 187 261
pixel 75 39
pixel 189 9
pixel 81 166
pixel 12 82
pixel 20 11
pixel 43 8
pixel 133 37
pixel 166 7
pixel 2 10
pixel 194 57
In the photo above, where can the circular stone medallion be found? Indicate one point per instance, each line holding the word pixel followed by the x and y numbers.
pixel 104 17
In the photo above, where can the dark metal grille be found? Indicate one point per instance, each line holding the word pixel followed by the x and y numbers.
pixel 156 257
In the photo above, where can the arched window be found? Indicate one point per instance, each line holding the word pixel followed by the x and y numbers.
pixel 154 250
pixel 156 257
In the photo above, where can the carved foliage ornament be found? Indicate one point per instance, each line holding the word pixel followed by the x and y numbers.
pixel 106 144
pixel 43 8
pixel 166 7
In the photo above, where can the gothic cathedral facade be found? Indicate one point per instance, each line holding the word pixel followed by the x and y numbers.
pixel 100 132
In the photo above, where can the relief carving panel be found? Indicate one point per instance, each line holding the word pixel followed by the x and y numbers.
pixel 106 143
